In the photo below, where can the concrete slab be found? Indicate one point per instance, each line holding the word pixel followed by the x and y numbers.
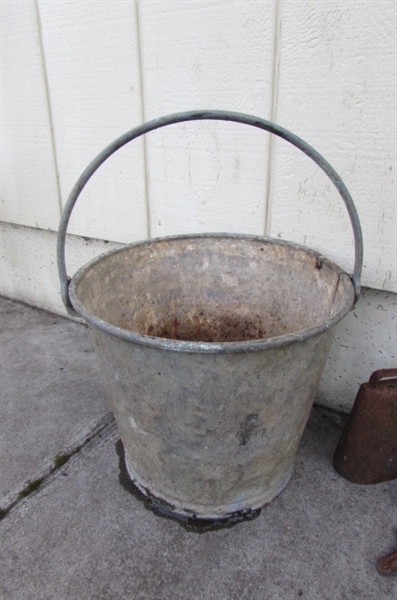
pixel 83 536
pixel 52 399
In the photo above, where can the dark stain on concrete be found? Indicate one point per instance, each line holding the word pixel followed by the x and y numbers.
pixel 159 507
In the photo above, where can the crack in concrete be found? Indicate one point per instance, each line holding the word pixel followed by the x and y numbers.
pixel 32 486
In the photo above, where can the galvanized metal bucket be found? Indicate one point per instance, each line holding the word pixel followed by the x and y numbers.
pixel 211 348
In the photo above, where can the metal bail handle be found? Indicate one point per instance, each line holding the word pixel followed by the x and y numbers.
pixel 210 115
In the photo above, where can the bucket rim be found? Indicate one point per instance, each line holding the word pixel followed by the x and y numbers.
pixel 209 347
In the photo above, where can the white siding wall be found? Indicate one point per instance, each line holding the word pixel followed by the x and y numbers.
pixel 29 176
pixel 93 73
pixel 337 90
pixel 207 176
pixel 76 74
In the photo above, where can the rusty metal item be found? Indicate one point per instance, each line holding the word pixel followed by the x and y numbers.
pixel 367 450
pixel 211 348
pixel 210 369
pixel 388 564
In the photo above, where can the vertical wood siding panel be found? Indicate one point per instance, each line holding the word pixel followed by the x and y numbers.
pixel 91 55
pixel 29 189
pixel 218 55
pixel 337 90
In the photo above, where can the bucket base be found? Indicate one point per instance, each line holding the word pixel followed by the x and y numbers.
pixel 232 513
pixel 191 523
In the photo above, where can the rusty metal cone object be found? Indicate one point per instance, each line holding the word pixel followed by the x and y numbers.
pixel 367 449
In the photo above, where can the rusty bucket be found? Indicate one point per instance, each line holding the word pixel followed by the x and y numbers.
pixel 211 348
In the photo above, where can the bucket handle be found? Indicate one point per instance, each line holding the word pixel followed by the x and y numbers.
pixel 213 115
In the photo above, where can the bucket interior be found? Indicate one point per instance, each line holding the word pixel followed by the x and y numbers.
pixel 212 288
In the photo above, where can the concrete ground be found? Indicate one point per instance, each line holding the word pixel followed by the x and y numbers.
pixel 71 531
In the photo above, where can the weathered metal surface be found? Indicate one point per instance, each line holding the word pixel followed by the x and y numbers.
pixel 191 523
pixel 211 347
pixel 387 565
pixel 211 427
pixel 367 450
pixel 215 115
